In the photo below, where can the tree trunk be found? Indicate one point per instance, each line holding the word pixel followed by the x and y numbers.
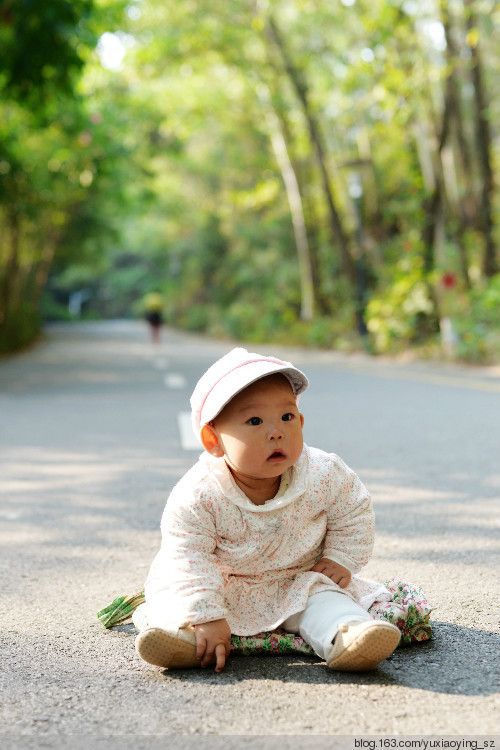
pixel 452 120
pixel 301 90
pixel 483 147
pixel 440 183
pixel 322 300
pixel 468 203
pixel 11 269
pixel 295 202
pixel 42 271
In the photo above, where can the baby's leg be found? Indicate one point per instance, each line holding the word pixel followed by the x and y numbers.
pixel 162 645
pixel 322 616
pixel 173 648
pixel 343 633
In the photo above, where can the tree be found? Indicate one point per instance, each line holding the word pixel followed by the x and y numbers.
pixel 43 48
pixel 483 140
pixel 291 170
pixel 52 154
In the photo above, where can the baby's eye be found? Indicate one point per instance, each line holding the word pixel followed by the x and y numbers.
pixel 255 421
pixel 287 417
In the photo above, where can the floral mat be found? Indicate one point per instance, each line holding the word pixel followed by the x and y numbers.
pixel 408 609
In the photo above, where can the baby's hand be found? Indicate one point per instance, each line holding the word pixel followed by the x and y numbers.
pixel 333 570
pixel 213 643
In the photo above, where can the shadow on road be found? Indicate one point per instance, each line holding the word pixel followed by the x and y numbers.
pixel 458 661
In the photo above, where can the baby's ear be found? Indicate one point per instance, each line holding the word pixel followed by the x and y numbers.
pixel 211 441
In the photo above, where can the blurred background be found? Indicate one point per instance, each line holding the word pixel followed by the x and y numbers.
pixel 301 171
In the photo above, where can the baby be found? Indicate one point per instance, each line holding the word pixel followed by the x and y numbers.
pixel 262 532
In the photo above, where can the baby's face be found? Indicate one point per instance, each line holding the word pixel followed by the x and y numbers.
pixel 260 430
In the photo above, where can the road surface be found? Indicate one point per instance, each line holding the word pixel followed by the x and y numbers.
pixel 91 442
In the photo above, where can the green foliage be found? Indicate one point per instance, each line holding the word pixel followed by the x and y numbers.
pixel 42 47
pixel 52 310
pixel 20 328
pixel 478 326
pixel 163 173
pixel 402 312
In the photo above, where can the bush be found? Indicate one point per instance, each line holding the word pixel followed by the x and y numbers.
pixel 402 313
pixel 478 328
pixel 19 328
pixel 50 309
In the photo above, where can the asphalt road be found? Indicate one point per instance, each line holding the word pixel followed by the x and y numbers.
pixel 89 449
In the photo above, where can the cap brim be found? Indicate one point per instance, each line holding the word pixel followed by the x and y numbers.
pixel 236 381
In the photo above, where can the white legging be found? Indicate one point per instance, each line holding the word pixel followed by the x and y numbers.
pixel 319 621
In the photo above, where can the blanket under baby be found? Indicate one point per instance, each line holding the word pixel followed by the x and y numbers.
pixel 407 608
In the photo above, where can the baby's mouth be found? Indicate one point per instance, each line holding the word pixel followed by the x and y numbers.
pixel 276 456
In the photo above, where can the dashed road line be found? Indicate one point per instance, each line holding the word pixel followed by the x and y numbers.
pixel 189 442
pixel 160 364
pixel 174 380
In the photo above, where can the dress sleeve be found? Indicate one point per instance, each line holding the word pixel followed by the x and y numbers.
pixel 185 585
pixel 350 519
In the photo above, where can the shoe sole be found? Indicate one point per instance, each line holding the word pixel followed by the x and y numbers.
pixel 165 650
pixel 371 647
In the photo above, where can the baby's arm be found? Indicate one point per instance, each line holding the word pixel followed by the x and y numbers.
pixel 350 524
pixel 213 643
pixel 185 584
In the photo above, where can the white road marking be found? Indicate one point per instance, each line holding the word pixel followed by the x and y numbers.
pixel 174 380
pixel 160 364
pixel 188 439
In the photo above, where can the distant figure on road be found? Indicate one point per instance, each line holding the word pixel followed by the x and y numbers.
pixel 154 305
pixel 262 532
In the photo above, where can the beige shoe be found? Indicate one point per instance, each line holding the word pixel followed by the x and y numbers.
pixel 175 649
pixel 360 646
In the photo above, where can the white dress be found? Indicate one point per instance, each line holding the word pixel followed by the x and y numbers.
pixel 222 556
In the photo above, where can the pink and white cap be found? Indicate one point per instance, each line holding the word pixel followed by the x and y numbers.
pixel 230 375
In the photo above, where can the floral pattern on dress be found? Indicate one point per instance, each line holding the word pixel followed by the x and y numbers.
pixel 222 556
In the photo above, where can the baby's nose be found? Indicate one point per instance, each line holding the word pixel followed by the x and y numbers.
pixel 275 431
